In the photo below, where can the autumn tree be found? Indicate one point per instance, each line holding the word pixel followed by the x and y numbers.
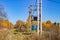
pixel 20 25
pixel 6 24
pixel 1 20
pixel 44 24
pixel 47 24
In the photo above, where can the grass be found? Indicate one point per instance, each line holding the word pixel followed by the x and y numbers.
pixel 14 34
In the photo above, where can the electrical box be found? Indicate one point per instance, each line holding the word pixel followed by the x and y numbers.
pixel 35 18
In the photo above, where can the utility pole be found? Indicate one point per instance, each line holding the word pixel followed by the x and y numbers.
pixel 39 11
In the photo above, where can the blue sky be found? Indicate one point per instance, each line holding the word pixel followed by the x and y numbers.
pixel 18 10
pixel 51 10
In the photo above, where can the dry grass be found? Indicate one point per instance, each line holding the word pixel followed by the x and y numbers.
pixel 12 35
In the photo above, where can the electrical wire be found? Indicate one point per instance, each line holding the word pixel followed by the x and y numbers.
pixel 55 1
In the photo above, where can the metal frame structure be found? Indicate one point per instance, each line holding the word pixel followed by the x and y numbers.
pixel 38 10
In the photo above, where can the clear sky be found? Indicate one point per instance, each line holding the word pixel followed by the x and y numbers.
pixel 18 10
pixel 51 10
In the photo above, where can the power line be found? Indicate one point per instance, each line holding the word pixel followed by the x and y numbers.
pixel 54 1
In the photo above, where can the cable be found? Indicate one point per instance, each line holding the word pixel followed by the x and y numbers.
pixel 54 1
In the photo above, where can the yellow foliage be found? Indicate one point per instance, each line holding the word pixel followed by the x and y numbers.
pixel 27 25
pixel 44 24
pixel 19 23
pixel 6 24
pixel 47 24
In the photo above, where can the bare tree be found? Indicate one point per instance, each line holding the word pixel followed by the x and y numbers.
pixel 3 14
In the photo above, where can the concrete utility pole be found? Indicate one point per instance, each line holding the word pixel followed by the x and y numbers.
pixel 39 11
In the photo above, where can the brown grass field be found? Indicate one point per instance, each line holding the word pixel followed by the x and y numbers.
pixel 6 34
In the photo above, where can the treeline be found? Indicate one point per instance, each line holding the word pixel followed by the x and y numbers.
pixel 19 23
pixel 5 23
pixel 49 24
pixel 52 29
pixel 9 25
